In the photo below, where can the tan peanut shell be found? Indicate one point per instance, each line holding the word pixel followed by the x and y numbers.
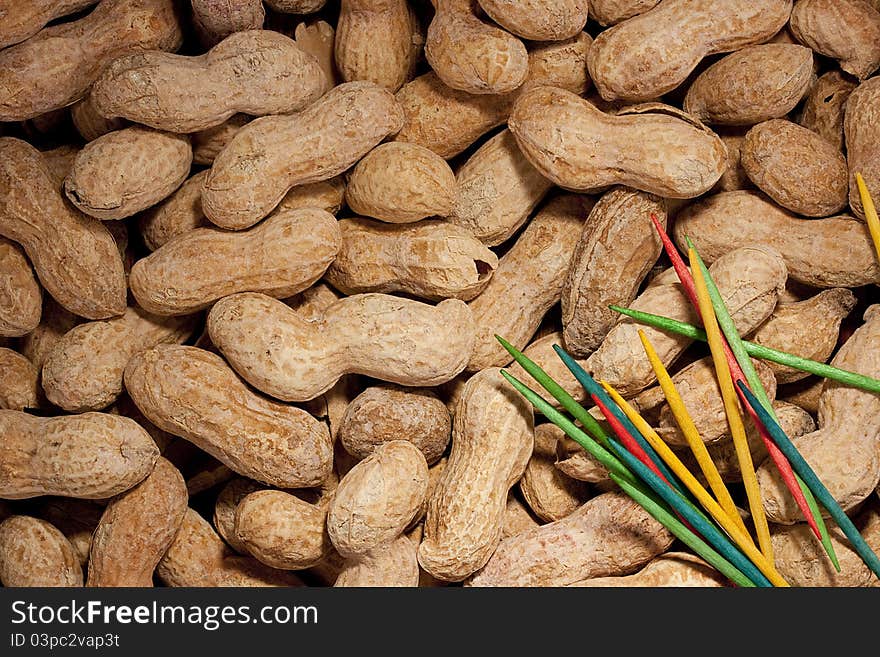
pixel 55 321
pixel 392 565
pixel 734 176
pixel 74 256
pixel 192 393
pixel 89 456
pixel 208 143
pixel 198 557
pixel 256 72
pixel 282 256
pixel 824 107
pixel 77 520
pixel 19 381
pixel 542 353
pixel 83 372
pixel 697 384
pixel 296 6
pixel 845 30
pixel 22 20
pixel 809 328
pixel 518 517
pixel 749 280
pixel 126 171
pixel 654 148
pixel 281 530
pixel 228 499
pixel 378 498
pixel 615 251
pixel 91 125
pixel 811 177
pixel 670 570
pixel 528 281
pixel 843 452
pixel 471 55
pixel 800 559
pixel 804 393
pixel 56 67
pixel 539 20
pixel 861 132
pixel 496 190
pixel 137 528
pixel 21 297
pixel 401 183
pixel 328 195
pixel 271 154
pixel 550 493
pixel 447 121
pixel 824 253
pixel 492 440
pixel 34 553
pixel 214 20
pixel 611 12
pixel 179 213
pixel 431 260
pixel 378 335
pixel 388 61
pixel 59 162
pixel 624 62
pixel 385 413
pixel 318 38
pixel 751 85
pixel 607 536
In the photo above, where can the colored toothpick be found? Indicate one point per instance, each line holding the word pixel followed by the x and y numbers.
pixel 846 377
pixel 800 492
pixel 870 212
pixel 736 532
pixel 734 420
pixel 812 480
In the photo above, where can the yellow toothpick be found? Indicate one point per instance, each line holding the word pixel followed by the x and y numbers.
pixel 870 212
pixel 731 408
pixel 692 435
pixel 737 533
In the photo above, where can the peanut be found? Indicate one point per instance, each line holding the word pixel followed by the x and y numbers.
pixel 20 295
pixel 56 67
pixel 541 352
pixel 256 72
pixel 318 38
pixel 803 563
pixel 625 61
pixel 77 520
pixel 89 123
pixel 137 528
pixel 492 440
pixel 610 535
pixel 825 253
pixel 809 328
pixel 471 55
pixel 180 213
pixel 389 61
pixel 401 183
pixel 22 20
pixel 550 493
pixel 734 176
pixel 378 499
pixel 528 281
pixel 388 338
pixel 55 322
pixel 35 553
pixel 804 393
pixel 616 249
pixel 844 454
pixel 392 565
pixel 274 153
pixel 496 190
pixel 861 134
pixel 126 171
pixel 751 85
pixel 385 413
pixel 192 393
pixel 281 530
pixel 199 557
pixel 282 256
pixel 825 106
pixel 430 259
pixel 845 30
pixel 74 256
pixel 19 385
pixel 214 20
pixel 672 570
pixel 295 6
pixel 228 499
pixel 88 456
pixel 811 179
pixel 518 517
pixel 208 143
pixel 653 148
pixel 611 12
pixel 539 20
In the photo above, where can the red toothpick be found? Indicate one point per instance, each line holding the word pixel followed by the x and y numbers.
pixel 782 464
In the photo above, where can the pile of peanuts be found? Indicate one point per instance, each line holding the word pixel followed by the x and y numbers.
pixel 254 256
